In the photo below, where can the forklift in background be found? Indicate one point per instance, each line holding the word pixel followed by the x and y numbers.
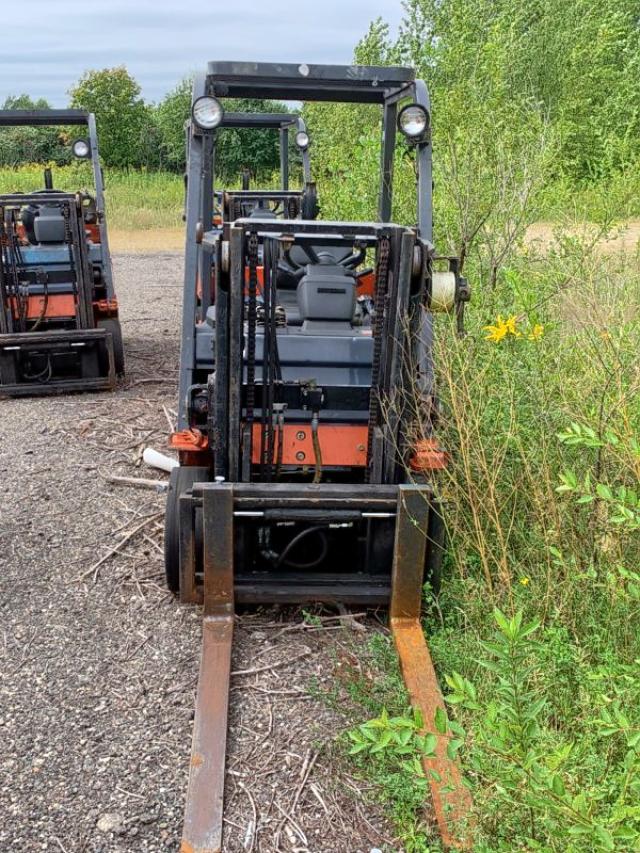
pixel 59 325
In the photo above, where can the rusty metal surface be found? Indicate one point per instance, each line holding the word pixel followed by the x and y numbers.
pixel 203 814
pixel 451 799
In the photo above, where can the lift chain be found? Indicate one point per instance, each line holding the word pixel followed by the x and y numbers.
pixel 251 325
pixel 382 279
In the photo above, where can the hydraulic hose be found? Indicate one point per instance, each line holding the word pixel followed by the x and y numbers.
pixel 316 448
pixel 321 531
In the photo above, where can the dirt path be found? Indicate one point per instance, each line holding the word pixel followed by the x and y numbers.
pixel 98 663
pixel 625 238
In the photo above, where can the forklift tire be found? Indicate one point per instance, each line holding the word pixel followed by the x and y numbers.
pixel 180 481
pixel 113 326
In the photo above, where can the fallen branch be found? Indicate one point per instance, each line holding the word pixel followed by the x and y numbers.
pixel 255 669
pixel 153 380
pixel 137 482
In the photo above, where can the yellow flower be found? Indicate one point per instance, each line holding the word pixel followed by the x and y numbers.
pixel 536 332
pixel 511 324
pixel 524 581
pixel 501 328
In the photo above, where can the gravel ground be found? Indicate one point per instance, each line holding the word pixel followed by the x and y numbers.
pixel 98 663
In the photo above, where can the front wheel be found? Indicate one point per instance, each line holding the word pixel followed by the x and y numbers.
pixel 113 326
pixel 180 481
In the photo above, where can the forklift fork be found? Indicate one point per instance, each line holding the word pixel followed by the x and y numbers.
pixel 204 808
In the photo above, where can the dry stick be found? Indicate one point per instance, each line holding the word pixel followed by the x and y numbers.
pixel 288 818
pixel 307 767
pixel 168 417
pixel 137 482
pixel 306 772
pixel 272 665
pixel 153 380
pixel 153 543
pixel 316 793
pixel 116 548
pixel 255 816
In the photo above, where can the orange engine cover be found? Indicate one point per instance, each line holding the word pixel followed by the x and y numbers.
pixel 58 305
pixel 342 445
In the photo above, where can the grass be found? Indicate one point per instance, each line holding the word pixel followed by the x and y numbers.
pixel 136 200
pixel 543 497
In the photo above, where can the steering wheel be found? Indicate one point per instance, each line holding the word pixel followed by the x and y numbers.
pixel 320 255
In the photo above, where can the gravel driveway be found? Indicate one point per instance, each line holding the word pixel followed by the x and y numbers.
pixel 98 663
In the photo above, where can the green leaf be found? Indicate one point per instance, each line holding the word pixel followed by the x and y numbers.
pixel 605 838
pixel 429 744
pixel 453 747
pixel 604 492
pixel 383 742
pixel 502 621
pixel 625 833
pixel 557 786
pixel 440 720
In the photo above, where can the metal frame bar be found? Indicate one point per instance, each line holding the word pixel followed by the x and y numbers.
pixel 195 182
pixel 202 831
pixel 451 799
pixel 346 83
pixel 43 118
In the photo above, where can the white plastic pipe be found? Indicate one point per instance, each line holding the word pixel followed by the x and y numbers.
pixel 158 460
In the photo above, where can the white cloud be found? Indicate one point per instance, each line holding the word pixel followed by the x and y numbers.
pixel 161 41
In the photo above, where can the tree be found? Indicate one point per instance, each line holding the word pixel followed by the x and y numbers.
pixel 32 144
pixel 124 121
pixel 235 149
pixel 170 115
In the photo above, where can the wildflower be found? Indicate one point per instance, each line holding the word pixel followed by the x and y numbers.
pixel 536 332
pixel 512 328
pixel 524 581
pixel 502 328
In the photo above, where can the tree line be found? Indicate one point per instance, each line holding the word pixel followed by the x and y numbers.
pixel 505 76
pixel 134 134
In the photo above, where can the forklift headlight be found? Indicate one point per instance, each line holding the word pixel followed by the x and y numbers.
pixel 413 121
pixel 81 149
pixel 302 140
pixel 207 112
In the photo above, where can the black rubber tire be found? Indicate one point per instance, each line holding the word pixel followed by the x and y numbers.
pixel 113 326
pixel 180 481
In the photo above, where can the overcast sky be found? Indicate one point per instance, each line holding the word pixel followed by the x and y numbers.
pixel 47 44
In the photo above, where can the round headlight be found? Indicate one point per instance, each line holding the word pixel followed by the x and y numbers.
pixel 302 139
pixel 81 149
pixel 207 112
pixel 413 121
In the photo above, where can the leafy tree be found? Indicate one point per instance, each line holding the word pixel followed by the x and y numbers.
pixel 32 144
pixel 170 116
pixel 125 122
pixel 236 149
